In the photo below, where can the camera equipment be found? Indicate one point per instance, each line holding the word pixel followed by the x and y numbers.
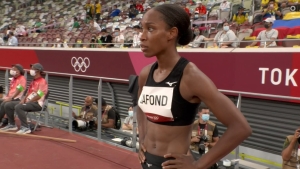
pixel 201 146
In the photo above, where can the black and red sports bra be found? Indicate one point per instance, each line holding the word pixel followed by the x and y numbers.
pixel 162 102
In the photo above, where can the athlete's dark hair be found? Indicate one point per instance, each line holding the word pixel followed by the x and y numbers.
pixel 174 16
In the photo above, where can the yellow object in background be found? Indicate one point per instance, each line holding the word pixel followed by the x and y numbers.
pixel 293 36
pixel 291 15
pixel 251 46
pixel 250 38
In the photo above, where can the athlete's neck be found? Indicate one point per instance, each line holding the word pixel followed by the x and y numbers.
pixel 167 60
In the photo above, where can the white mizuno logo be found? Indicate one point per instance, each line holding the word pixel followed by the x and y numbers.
pixel 149 165
pixel 170 83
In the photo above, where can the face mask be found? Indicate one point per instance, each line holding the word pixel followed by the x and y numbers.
pixel 266 25
pixel 13 73
pixel 32 72
pixel 196 16
pixel 103 35
pixel 196 33
pixel 57 39
pixel 116 33
pixel 130 113
pixel 226 28
pixel 205 117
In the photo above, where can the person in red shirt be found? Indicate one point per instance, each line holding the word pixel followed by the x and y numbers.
pixel 16 90
pixel 33 101
pixel 186 9
pixel 200 8
pixel 139 6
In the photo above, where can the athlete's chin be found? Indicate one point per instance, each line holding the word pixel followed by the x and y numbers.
pixel 148 55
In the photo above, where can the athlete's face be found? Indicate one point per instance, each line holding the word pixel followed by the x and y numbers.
pixel 155 38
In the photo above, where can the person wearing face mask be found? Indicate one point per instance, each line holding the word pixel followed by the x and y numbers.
pixel 198 39
pixel 203 126
pixel 128 122
pixel 267 36
pixel 88 114
pixel 136 36
pixel 291 151
pixel 118 38
pixel 225 38
pixel 16 90
pixel 33 100
pixel 106 39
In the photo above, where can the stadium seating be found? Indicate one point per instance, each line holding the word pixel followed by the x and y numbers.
pixel 26 12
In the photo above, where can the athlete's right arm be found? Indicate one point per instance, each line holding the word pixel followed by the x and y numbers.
pixel 141 118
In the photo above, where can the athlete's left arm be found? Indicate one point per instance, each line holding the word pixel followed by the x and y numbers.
pixel 197 84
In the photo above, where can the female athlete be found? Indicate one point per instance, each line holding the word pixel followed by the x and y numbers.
pixel 170 91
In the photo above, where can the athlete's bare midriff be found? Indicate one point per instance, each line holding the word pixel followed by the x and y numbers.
pixel 162 139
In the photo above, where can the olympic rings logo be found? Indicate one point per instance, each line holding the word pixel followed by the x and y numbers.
pixel 80 64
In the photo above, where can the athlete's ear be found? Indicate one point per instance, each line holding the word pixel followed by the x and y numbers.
pixel 172 34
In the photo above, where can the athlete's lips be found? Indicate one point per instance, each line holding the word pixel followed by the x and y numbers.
pixel 144 48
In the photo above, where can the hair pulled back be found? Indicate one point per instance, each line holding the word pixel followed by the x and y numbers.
pixel 174 16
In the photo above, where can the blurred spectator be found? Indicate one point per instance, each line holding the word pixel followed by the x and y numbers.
pixel 148 8
pixel 60 43
pixel 1 41
pixel 225 35
pixel 128 42
pixel 106 38
pixel 108 115
pixel 9 28
pixel 139 6
pixel 132 11
pixel 89 8
pixel 160 2
pixel 137 33
pixel 146 4
pixel 115 11
pixel 198 39
pixel 94 26
pixel 20 30
pixel 95 42
pixel 201 9
pixel 225 5
pixel 267 36
pixel 76 24
pixel 128 122
pixel 186 9
pixel 271 11
pixel 118 38
pixel 12 40
pixel 240 17
pixel 265 3
pixel 38 24
pixel 98 10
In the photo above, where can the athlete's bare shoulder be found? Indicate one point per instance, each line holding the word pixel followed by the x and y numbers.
pixel 144 74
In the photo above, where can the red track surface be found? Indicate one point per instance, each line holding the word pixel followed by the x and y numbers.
pixel 26 153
